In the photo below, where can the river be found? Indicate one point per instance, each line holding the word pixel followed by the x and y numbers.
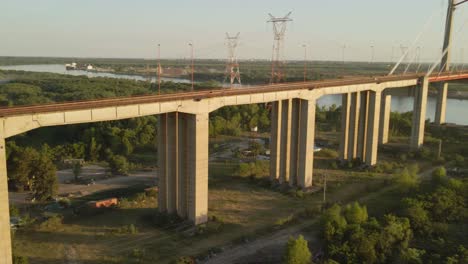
pixel 457 110
pixel 59 68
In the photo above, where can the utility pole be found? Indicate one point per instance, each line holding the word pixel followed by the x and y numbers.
pixel 159 69
pixel 393 53
pixel 343 48
pixel 279 30
pixel 305 61
pixel 371 61
pixel 232 65
pixel 441 104
pixel 191 47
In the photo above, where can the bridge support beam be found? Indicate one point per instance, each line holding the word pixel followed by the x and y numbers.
pixel 441 104
pixel 292 142
pixel 372 133
pixel 345 125
pixel 385 109
pixel 5 236
pixel 419 114
pixel 360 126
pixel 183 165
pixel 351 104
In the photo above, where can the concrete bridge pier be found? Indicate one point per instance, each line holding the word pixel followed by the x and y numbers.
pixel 360 126
pixel 5 236
pixel 292 141
pixel 441 103
pixel 419 113
pixel 183 165
pixel 385 109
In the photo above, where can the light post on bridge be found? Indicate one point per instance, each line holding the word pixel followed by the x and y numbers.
pixel 305 61
pixel 191 46
pixel 159 68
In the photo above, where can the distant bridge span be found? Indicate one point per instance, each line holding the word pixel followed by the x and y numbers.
pixel 183 131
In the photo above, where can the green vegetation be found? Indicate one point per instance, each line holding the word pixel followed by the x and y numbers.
pixel 32 171
pixel 297 251
pixel 420 230
pixel 77 168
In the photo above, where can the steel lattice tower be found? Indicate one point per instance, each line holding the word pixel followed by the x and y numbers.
pixel 279 30
pixel 232 66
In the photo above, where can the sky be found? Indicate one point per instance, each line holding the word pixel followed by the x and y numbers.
pixel 132 29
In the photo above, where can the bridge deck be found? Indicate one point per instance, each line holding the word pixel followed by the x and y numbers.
pixel 203 94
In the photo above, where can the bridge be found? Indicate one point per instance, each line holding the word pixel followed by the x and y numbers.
pixel 183 131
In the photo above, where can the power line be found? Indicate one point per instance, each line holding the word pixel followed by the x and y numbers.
pixel 279 30
pixel 232 65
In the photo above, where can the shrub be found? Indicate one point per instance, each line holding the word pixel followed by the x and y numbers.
pixel 137 253
pixel 328 153
pixel 52 223
pixel 14 211
pixel 297 251
pixel 20 259
pixel 128 229
pixel 119 165
pixel 65 202
pixel 439 176
pixel 184 260
pixel 283 221
pixel 459 160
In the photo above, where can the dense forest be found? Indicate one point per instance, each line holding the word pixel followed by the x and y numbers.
pixel 429 225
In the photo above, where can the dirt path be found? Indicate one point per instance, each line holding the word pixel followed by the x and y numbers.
pixel 280 238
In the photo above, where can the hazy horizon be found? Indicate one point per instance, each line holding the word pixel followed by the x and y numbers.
pixel 131 30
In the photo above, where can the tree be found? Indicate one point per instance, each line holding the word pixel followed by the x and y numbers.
pixel 418 215
pixel 407 179
pixel 77 168
pixel 119 165
pixel 297 251
pixel 355 214
pixel 439 176
pixel 44 180
pixel 20 166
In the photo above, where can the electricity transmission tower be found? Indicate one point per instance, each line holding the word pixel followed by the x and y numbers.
pixel 279 30
pixel 232 66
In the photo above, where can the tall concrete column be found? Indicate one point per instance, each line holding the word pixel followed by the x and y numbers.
pixel 419 113
pixel 285 140
pixel 293 150
pixel 306 142
pixel 292 142
pixel 372 133
pixel 354 118
pixel 362 125
pixel 197 167
pixel 172 162
pixel 275 140
pixel 183 165
pixel 385 109
pixel 345 125
pixel 441 104
pixel 162 162
pixel 5 236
